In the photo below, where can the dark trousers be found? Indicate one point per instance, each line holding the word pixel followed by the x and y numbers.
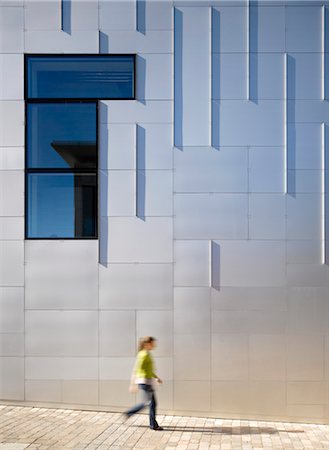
pixel 148 400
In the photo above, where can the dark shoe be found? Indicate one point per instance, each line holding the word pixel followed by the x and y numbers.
pixel 157 428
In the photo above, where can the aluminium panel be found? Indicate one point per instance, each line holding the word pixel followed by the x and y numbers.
pixel 132 239
pixel 61 42
pixel 304 181
pixel 11 228
pixel 114 393
pixel 156 15
pixel 41 15
pixel 81 392
pixel 43 391
pixel 267 28
pixel 160 325
pixel 192 310
pixel 11 344
pixel 230 396
pixel 266 397
pixel 299 19
pixel 154 146
pixel 304 76
pixel 11 158
pixel 267 357
pixel 11 41
pixel 117 193
pixel 12 193
pixel 117 146
pixel 266 72
pixel 304 216
pixel 304 252
pixel 307 111
pixel 192 357
pixel 117 15
pixel 11 77
pixel 158 41
pixel 12 378
pixel 119 368
pixel 211 216
pixel 229 28
pixel 84 15
pixel 165 369
pixel 50 281
pixel 12 263
pixel 11 123
pixel 155 77
pixel 266 169
pixel 308 275
pixel 229 76
pixel 308 393
pixel 11 310
pixel 61 333
pixel 247 123
pixel 268 263
pixel 229 356
pixel 192 263
pixel 43 368
pixel 135 286
pixel 132 111
pixel 205 169
pixel 305 357
pixel 267 216
pixel 11 18
pixel 304 146
pixel 117 333
pixel 154 193
pixel 192 395
pixel 80 368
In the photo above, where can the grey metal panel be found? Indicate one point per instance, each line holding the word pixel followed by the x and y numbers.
pixel 43 391
pixel 229 29
pixel 12 378
pixel 299 224
pixel 267 357
pixel 136 240
pixel 308 275
pixel 267 28
pixel 229 76
pixel 192 395
pixel 12 158
pixel 307 111
pixel 117 333
pixel 251 322
pixel 299 19
pixel 150 111
pixel 154 146
pixel 60 42
pixel 248 123
pixel 118 193
pixel 61 333
pixel 154 193
pixel 82 392
pixel 117 145
pixel 11 123
pixel 192 356
pixel 11 310
pixel 11 263
pixel 205 169
pixel 11 344
pixel 266 76
pixel 158 324
pixel 11 18
pixel 267 216
pixel 155 77
pixel 80 368
pixel 266 169
pixel 12 189
pixel 116 368
pixel 157 41
pixel 158 15
pixel 229 356
pixel 117 15
pixel 39 15
pixel 305 357
pixel 249 298
pixel 305 181
pixel 11 228
pixel 304 146
pixel 304 252
pixel 191 266
pixel 304 75
pixel 191 310
pixel 114 393
pixel 11 41
pixel 267 268
pixel 44 368
pixel 210 216
pixel 12 77
pixel 231 396
pixel 50 281
pixel 149 286
pixel 84 15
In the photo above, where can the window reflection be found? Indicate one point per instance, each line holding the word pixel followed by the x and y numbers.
pixel 62 205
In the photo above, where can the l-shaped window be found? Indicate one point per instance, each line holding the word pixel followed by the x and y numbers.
pixel 61 163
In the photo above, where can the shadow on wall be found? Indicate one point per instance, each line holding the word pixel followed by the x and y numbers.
pixel 178 79
pixel 215 265
pixel 215 77
pixel 291 125
pixel 140 79
pixel 66 16
pixel 253 52
pixel 104 43
pixel 141 16
pixel 103 227
pixel 140 172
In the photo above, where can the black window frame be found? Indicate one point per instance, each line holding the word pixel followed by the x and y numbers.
pixel 95 171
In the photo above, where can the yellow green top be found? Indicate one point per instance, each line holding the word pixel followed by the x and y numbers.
pixel 144 365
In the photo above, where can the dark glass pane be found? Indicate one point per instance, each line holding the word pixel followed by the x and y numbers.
pixel 61 135
pixel 81 77
pixel 62 205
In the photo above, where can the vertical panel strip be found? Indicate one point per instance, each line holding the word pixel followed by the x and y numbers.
pixel 248 50
pixel 285 124
pixel 323 194
pixel 323 52
pixel 210 264
pixel 136 170
pixel 210 75
pixel 62 14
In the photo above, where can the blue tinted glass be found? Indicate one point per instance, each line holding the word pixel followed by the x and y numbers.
pixel 100 77
pixel 61 206
pixel 61 135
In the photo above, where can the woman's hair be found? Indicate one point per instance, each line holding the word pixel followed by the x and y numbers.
pixel 145 340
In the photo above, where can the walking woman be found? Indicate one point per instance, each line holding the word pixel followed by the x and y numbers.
pixel 144 377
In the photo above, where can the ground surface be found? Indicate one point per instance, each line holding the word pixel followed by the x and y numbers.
pixel 58 429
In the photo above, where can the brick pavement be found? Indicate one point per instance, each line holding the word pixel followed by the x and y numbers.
pixel 41 428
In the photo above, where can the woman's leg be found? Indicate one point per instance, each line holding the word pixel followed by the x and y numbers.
pixel 145 401
pixel 153 406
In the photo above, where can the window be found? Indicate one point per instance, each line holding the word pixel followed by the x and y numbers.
pixel 61 165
